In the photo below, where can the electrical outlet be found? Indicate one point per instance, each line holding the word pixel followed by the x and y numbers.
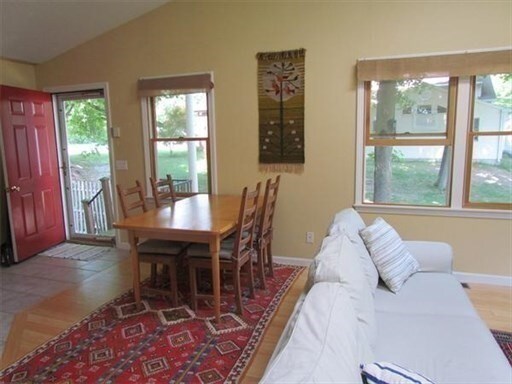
pixel 310 237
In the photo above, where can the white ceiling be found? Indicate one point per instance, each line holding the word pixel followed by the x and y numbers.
pixel 35 31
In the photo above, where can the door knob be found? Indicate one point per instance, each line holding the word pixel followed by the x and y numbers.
pixel 14 188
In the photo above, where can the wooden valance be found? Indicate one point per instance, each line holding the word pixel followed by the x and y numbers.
pixel 157 86
pixel 457 64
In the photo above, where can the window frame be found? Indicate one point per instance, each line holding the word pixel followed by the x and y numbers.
pixel 423 137
pixel 150 140
pixel 461 129
pixel 154 140
pixel 401 140
pixel 473 134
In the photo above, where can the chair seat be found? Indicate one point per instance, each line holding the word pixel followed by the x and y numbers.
pixel 203 250
pixel 161 247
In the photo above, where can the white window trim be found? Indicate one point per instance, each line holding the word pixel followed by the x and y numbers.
pixel 460 142
pixel 146 128
pixel 459 153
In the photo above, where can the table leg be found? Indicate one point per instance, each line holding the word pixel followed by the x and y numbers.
pixel 135 268
pixel 214 251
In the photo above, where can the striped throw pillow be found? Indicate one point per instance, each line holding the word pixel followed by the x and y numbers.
pixel 389 373
pixel 392 259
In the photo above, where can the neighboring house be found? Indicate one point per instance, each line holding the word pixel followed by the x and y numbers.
pixel 425 111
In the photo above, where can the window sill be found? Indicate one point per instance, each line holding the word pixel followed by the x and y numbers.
pixel 434 211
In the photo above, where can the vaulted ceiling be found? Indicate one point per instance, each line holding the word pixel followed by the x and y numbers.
pixel 35 31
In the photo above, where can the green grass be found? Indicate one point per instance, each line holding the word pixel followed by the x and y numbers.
pixel 89 160
pixel 175 163
pixel 414 183
pixel 506 163
pixel 492 184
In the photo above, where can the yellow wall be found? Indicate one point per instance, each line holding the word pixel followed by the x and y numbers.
pixel 17 74
pixel 225 37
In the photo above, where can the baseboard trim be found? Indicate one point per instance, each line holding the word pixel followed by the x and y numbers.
pixel 477 278
pixel 278 259
pixel 292 260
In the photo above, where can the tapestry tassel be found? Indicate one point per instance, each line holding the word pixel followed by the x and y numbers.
pixel 284 168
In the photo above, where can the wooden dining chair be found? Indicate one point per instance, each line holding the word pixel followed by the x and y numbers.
pixel 163 190
pixel 165 252
pixel 264 230
pixel 235 252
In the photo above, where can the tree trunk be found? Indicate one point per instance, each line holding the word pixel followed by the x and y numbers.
pixel 384 123
pixel 383 175
pixel 442 176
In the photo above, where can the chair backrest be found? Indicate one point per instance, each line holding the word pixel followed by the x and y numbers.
pixel 246 222
pixel 269 207
pixel 163 190
pixel 132 199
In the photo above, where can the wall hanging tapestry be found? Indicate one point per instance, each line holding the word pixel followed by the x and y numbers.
pixel 281 110
pixel 119 343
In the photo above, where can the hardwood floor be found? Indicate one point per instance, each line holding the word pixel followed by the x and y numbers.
pixel 494 305
pixel 47 319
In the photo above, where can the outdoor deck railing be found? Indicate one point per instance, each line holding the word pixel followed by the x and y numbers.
pixel 92 215
pixel 95 215
pixel 182 185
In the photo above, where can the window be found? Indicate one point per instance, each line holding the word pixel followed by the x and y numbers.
pixel 179 133
pixel 489 163
pixel 404 153
pixel 434 132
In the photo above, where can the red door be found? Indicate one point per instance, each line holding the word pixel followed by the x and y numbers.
pixel 32 173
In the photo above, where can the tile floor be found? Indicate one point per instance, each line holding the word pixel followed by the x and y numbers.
pixel 25 284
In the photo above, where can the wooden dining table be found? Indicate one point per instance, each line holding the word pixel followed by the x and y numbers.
pixel 197 219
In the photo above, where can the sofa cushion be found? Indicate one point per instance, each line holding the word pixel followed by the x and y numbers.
pixel 426 293
pixel 392 259
pixel 389 373
pixel 348 221
pixel 432 256
pixel 325 344
pixel 446 349
pixel 338 262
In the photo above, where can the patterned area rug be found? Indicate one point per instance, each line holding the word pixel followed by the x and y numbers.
pixel 504 340
pixel 117 344
pixel 74 251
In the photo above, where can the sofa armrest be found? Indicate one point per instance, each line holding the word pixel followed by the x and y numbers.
pixel 433 256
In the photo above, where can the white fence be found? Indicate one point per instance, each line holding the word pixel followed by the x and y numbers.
pixel 86 190
pixel 92 204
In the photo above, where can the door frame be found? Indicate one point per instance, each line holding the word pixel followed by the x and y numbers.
pixel 84 88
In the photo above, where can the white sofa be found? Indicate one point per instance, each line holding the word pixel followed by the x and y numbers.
pixel 429 326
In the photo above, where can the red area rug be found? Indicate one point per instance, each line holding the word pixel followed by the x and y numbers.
pixel 117 344
pixel 504 340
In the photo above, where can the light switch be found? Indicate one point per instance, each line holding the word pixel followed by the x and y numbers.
pixel 122 165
